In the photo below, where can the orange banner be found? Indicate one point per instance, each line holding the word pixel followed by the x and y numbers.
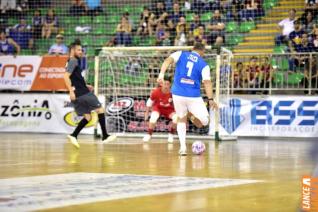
pixel 50 74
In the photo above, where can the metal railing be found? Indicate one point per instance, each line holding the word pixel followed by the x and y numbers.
pixel 291 73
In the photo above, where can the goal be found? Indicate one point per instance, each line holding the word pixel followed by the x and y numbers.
pixel 126 76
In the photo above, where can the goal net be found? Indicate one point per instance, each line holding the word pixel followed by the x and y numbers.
pixel 126 76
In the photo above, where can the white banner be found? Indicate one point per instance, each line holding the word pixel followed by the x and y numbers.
pixel 18 73
pixel 272 116
pixel 45 113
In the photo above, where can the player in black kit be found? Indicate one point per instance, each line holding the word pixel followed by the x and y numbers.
pixel 82 97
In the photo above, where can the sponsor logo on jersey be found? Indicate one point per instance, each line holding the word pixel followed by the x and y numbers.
pixel 187 81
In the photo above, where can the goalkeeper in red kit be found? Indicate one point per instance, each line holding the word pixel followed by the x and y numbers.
pixel 160 102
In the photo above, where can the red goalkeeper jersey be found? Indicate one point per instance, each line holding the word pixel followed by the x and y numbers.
pixel 161 101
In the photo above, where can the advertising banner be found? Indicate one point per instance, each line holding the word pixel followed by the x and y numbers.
pixel 270 116
pixel 50 75
pixel 42 113
pixel 18 73
pixel 32 73
pixel 126 114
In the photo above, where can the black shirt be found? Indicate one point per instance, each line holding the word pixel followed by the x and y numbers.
pixel 74 68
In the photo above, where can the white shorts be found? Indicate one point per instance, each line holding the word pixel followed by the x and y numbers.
pixel 195 105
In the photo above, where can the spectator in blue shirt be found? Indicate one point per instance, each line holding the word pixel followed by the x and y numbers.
pixel 22 34
pixel 301 60
pixel 295 36
pixel 7 45
pixel 176 14
pixel 37 24
pixel 59 48
pixel 50 24
pixel 216 26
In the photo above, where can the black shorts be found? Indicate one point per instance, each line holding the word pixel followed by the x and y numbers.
pixel 86 104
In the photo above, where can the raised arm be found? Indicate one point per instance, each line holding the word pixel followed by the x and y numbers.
pixel 173 58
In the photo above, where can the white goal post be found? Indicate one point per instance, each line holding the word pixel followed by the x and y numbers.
pixel 126 75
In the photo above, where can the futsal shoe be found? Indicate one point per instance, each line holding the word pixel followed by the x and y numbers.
pixel 170 138
pixel 147 138
pixel 73 140
pixel 109 139
pixel 183 152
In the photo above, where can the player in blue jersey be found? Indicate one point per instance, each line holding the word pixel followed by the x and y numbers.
pixel 190 71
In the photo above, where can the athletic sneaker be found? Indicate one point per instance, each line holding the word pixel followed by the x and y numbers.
pixel 170 138
pixel 73 140
pixel 183 152
pixel 109 139
pixel 147 138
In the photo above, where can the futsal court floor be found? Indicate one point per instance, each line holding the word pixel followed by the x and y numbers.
pixel 44 172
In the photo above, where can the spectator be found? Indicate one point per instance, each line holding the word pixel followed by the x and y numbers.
pixel 308 22
pixel 123 35
pixel 181 38
pixel 7 45
pixel 238 75
pixel 301 60
pixel 199 6
pixel 133 67
pixel 252 74
pixel 13 8
pixel 130 21
pixel 160 11
pixel 312 6
pixel 59 48
pixel 252 9
pixel 194 28
pixel 144 27
pixel 94 7
pixel 78 8
pixel 225 5
pixel 158 14
pixel 199 35
pixel 160 33
pixel 37 24
pixel 50 24
pixel 266 74
pixel 313 76
pixel 314 38
pixel 287 26
pixel 233 13
pixel 295 36
pixel 216 26
pixel 176 13
pixel 172 29
pixel 166 40
pixel 196 23
pixel 22 34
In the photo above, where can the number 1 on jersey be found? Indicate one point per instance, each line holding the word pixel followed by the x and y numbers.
pixel 190 67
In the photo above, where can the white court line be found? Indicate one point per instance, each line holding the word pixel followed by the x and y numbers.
pixel 61 190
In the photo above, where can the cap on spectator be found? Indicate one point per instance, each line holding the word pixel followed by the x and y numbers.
pixel 59 36
pixel 297 21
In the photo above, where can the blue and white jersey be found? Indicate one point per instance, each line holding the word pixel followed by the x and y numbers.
pixel 190 70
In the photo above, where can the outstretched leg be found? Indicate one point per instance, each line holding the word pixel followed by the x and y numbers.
pixel 152 123
pixel 101 118
pixel 78 129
